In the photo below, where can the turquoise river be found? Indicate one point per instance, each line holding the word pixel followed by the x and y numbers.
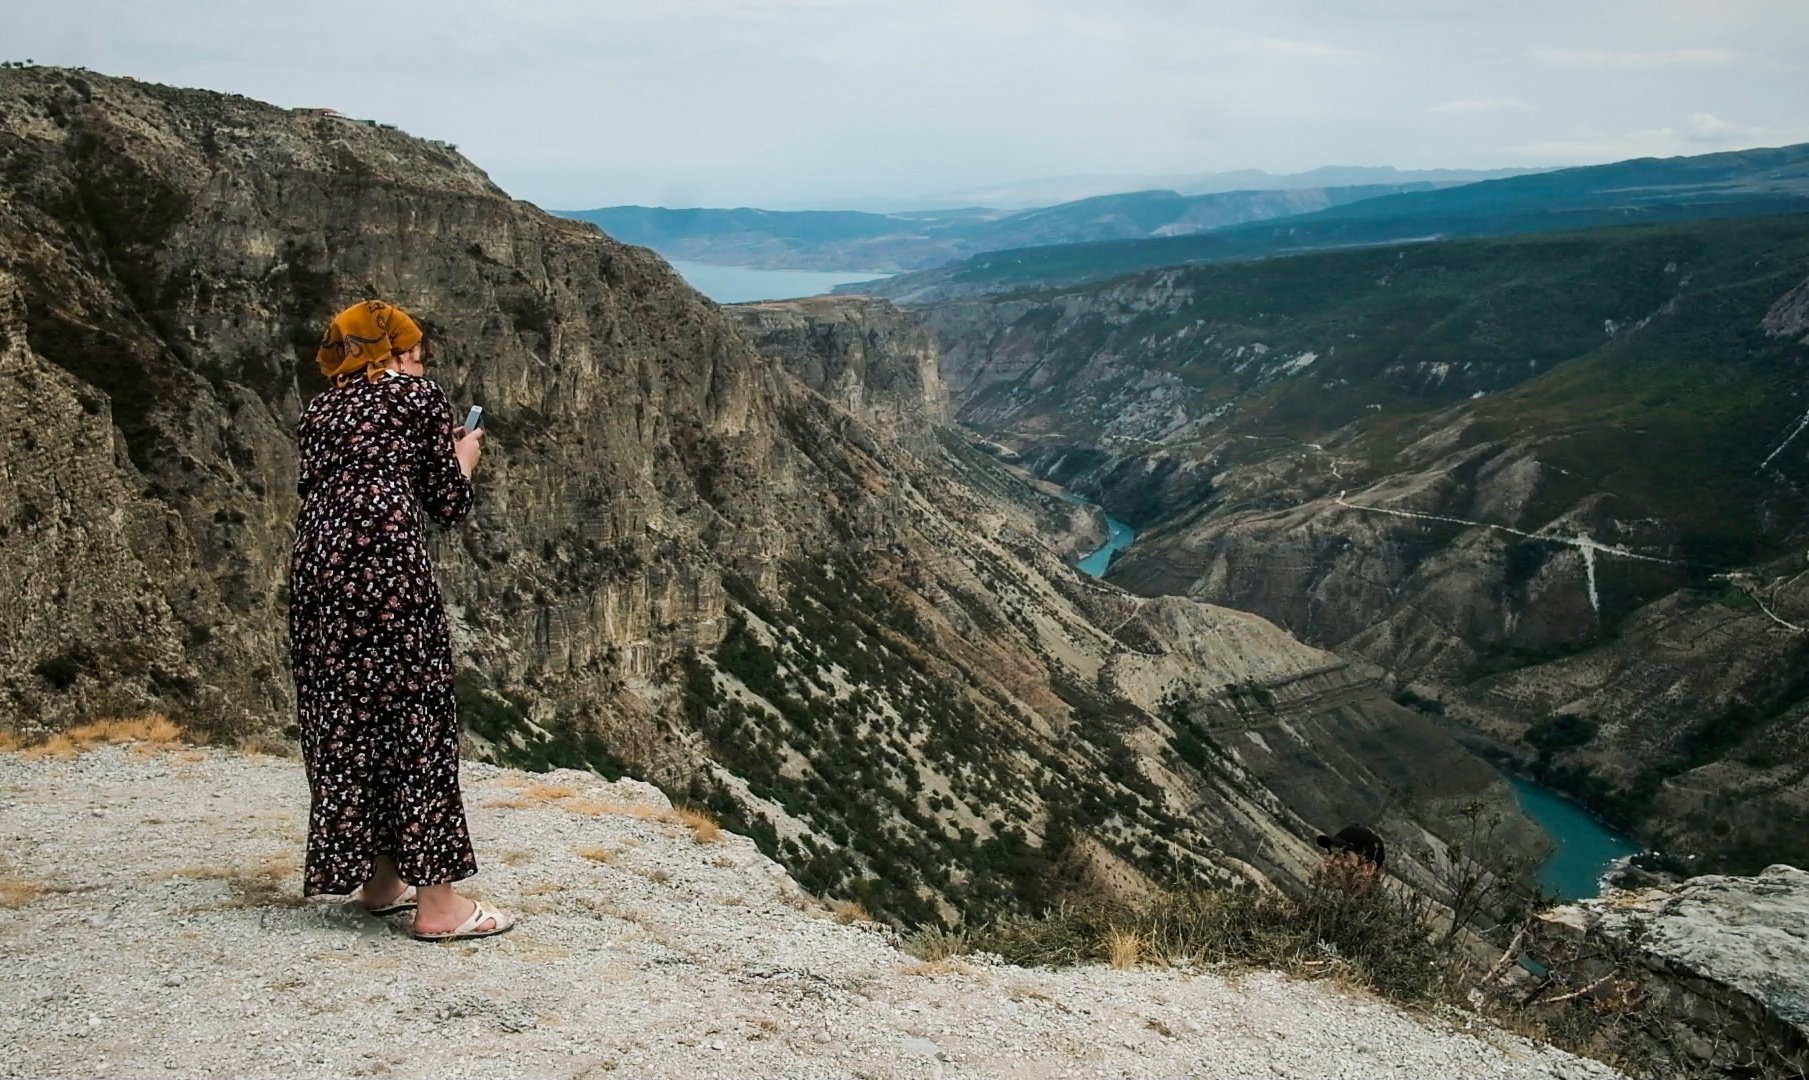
pixel 1583 848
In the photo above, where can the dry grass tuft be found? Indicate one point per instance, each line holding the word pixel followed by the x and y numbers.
pixel 267 744
pixel 702 825
pixel 150 728
pixel 60 747
pixel 1124 948
pixel 933 967
pixel 17 892
pixel 508 802
pixel 850 911
pixel 933 944
pixel 597 854
pixel 9 742
pixel 541 790
pixel 272 881
pixel 592 807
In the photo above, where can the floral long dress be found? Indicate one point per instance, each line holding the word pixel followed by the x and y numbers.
pixel 368 639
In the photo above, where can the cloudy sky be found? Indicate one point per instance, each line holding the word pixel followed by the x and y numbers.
pixel 788 103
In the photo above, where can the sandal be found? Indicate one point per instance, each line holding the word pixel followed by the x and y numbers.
pixel 466 930
pixel 404 901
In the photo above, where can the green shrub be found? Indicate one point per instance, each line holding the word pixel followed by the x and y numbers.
pixel 1561 731
pixel 1378 933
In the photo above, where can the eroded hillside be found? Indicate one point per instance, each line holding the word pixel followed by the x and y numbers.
pixel 1555 483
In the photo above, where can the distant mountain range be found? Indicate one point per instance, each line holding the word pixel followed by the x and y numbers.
pixel 1051 190
pixel 1059 189
pixel 1741 183
pixel 919 239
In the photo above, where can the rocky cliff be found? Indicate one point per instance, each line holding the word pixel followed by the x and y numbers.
pixel 865 355
pixel 1552 486
pixel 1713 972
pixel 684 560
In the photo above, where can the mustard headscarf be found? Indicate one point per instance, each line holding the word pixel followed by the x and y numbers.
pixel 362 338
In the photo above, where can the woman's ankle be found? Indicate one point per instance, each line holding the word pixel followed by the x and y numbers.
pixel 436 900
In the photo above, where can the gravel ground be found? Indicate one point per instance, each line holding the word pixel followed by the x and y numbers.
pixel 157 933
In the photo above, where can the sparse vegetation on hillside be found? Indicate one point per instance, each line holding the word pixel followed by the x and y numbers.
pixel 1407 452
pixel 827 704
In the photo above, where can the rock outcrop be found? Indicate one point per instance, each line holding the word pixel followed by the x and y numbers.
pixel 1714 971
pixel 865 355
pixel 1790 315
pixel 683 560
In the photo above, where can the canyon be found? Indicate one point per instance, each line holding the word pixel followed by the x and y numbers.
pixel 1550 486
pixel 735 553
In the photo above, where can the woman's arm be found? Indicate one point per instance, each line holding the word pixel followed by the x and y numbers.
pixel 442 480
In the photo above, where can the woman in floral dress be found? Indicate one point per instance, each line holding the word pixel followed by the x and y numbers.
pixel 368 639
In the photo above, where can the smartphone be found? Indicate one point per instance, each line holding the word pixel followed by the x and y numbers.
pixel 474 419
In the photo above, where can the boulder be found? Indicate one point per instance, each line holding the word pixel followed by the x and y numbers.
pixel 1714 971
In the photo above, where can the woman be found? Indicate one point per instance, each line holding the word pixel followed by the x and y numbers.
pixel 368 640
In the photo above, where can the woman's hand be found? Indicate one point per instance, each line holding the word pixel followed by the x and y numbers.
pixel 467 446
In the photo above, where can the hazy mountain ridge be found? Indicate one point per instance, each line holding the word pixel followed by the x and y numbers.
pixel 1052 190
pixel 1508 471
pixel 1733 184
pixel 683 560
pixel 846 240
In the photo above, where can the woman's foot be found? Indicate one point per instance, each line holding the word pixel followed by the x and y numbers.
pixel 442 911
pixel 384 892
pixel 398 901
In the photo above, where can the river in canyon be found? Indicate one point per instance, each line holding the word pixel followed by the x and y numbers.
pixel 1583 847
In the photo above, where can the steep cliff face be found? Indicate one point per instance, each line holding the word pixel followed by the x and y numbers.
pixel 1556 482
pixel 683 559
pixel 865 355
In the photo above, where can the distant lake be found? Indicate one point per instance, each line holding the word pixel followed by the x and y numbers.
pixel 739 284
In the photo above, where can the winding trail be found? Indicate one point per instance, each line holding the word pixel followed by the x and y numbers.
pixel 1788 439
pixel 1589 548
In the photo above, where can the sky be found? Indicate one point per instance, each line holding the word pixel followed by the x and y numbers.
pixel 797 103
